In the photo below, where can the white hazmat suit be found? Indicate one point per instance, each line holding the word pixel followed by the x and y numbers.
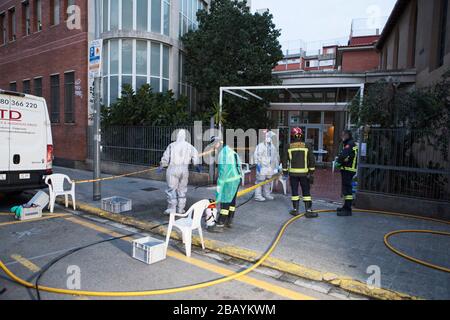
pixel 176 159
pixel 267 159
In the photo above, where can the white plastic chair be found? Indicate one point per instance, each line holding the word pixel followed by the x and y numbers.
pixel 245 171
pixel 55 184
pixel 283 184
pixel 191 220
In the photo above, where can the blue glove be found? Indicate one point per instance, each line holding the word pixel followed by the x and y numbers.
pixel 285 175
pixel 258 168
pixel 159 170
pixel 198 168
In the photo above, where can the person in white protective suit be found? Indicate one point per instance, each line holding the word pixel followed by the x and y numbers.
pixel 267 159
pixel 176 159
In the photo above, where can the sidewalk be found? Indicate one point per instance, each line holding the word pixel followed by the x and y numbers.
pixel 343 246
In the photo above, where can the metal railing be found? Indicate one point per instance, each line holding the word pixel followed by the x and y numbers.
pixel 135 145
pixel 407 163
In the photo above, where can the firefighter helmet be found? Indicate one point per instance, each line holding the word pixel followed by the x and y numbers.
pixel 296 133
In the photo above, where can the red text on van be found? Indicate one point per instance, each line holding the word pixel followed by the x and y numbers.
pixel 10 115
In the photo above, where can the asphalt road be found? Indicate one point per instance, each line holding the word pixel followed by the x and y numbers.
pixel 28 246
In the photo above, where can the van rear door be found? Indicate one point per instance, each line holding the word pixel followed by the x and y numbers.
pixel 4 138
pixel 28 135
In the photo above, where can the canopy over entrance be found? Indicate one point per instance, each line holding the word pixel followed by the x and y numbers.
pixel 326 97
pixel 320 109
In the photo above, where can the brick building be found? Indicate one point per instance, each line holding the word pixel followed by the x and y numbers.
pixel 42 53
pixel 41 56
pixel 359 55
pixel 324 60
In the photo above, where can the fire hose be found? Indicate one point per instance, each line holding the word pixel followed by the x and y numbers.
pixel 242 273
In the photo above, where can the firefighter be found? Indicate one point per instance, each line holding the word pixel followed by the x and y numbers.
pixel 347 161
pixel 299 165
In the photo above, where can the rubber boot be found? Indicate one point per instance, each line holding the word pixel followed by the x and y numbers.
pixel 309 212
pixel 296 211
pixel 346 211
pixel 229 221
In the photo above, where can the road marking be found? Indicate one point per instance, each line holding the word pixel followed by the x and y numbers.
pixel 281 291
pixel 26 263
pixel 3 224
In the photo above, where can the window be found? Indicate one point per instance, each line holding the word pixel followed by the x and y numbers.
pixel 188 15
pixel 106 15
pixel 156 16
pixel 38 14
pixel 54 11
pixel 37 86
pixel 114 15
pixel 442 33
pixel 140 62
pixel 69 97
pixel 127 14
pixel 166 18
pixel 27 86
pixel 54 98
pixel 13 86
pixel 3 35
pixel 127 56
pixel 12 24
pixel 141 15
pixel 26 23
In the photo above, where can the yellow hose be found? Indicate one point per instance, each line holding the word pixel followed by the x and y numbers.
pixel 221 280
pixel 153 292
pixel 235 275
pixel 401 254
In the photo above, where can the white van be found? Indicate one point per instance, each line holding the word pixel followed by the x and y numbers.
pixel 26 146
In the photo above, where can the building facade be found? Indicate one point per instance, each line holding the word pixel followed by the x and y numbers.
pixel 359 55
pixel 44 51
pixel 324 60
pixel 40 55
pixel 417 36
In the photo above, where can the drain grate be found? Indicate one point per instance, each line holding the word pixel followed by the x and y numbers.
pixel 150 189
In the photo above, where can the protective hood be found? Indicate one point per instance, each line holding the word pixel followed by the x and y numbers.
pixel 181 136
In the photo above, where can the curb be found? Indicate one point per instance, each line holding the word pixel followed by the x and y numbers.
pixel 343 282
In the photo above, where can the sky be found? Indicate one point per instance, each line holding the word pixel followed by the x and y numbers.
pixel 318 20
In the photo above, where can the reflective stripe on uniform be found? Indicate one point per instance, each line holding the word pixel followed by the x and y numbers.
pixel 295 198
pixel 308 199
pixel 224 212
pixel 232 209
pixel 353 168
pixel 299 170
pixel 348 197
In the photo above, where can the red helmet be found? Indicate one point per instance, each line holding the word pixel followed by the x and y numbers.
pixel 296 132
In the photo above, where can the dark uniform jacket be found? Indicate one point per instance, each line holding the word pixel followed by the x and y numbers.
pixel 300 160
pixel 348 158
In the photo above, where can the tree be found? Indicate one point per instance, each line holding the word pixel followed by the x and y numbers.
pixel 231 47
pixel 386 106
pixel 145 108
